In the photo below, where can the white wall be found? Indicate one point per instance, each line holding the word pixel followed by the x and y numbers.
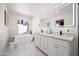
pixel 4 34
pixel 13 25
pixel 35 24
pixel 1 15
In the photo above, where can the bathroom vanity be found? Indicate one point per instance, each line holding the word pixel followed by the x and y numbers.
pixel 55 44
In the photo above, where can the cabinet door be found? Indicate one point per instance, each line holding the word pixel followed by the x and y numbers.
pixel 44 43
pixel 62 51
pixel 37 40
pixel 51 49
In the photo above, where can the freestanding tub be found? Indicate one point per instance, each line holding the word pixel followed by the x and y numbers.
pixel 25 38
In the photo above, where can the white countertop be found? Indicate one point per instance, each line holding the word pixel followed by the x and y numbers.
pixel 62 37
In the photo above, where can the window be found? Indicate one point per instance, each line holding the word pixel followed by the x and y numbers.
pixel 22 28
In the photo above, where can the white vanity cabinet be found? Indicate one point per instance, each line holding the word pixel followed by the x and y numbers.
pixel 53 46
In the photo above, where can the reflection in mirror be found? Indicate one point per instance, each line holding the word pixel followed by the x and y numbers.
pixel 65 11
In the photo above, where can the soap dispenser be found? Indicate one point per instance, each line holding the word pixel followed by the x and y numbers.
pixel 60 32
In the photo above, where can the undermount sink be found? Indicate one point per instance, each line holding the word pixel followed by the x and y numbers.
pixel 68 35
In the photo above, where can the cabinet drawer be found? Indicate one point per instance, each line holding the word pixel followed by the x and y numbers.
pixel 37 36
pixel 44 38
pixel 51 40
pixel 45 41
pixel 44 45
pixel 37 39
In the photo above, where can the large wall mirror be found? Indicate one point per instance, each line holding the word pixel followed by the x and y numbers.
pixel 65 12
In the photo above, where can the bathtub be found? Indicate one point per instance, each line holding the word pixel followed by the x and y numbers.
pixel 25 38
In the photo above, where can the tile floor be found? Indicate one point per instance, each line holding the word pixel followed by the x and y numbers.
pixel 24 49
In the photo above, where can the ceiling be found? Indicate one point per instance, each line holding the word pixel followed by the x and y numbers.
pixel 29 9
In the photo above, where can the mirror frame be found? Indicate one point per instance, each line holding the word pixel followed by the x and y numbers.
pixel 74 16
